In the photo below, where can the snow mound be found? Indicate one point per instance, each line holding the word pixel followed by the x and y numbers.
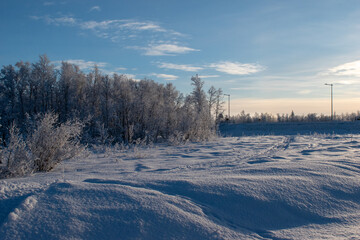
pixel 110 210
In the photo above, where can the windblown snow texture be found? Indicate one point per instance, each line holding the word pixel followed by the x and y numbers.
pixel 250 187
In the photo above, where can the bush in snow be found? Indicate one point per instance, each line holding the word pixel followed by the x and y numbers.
pixel 49 144
pixel 16 156
pixel 52 143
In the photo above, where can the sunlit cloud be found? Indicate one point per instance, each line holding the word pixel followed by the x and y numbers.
pixel 166 49
pixel 347 69
pixel 236 68
pixel 167 77
pixel 346 82
pixel 182 67
pixel 305 92
pixel 95 8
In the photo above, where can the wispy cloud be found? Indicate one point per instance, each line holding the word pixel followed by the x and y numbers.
pixel 165 49
pixel 155 39
pixel 236 68
pixel 57 21
pixel 119 25
pixel 351 69
pixel 183 67
pixel 104 67
pixel 83 65
pixel 209 76
pixel 114 30
pixel 167 77
pixel 95 8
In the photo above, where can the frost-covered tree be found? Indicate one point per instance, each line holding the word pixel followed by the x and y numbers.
pixel 198 120
pixel 44 75
pixel 8 100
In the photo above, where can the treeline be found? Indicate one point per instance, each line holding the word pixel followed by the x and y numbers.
pixel 112 108
pixel 292 117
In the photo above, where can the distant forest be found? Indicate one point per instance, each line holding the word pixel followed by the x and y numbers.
pixel 292 117
pixel 112 108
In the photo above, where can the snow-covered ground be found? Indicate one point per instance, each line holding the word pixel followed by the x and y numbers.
pixel 249 187
pixel 290 128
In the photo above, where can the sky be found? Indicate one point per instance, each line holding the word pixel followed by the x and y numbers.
pixel 270 56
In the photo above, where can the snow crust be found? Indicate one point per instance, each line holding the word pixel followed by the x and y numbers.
pixel 249 187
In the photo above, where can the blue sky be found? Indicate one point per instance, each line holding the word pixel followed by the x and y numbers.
pixel 271 56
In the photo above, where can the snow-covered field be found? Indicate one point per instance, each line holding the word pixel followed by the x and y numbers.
pixel 290 128
pixel 249 187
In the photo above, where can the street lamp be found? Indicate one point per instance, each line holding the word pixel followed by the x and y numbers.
pixel 228 104
pixel 332 101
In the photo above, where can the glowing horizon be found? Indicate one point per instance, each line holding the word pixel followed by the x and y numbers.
pixel 286 105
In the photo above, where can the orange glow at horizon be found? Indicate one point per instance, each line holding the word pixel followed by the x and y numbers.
pixel 286 105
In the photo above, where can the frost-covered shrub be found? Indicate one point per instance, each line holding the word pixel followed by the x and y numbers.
pixel 177 138
pixel 49 144
pixel 52 143
pixel 17 158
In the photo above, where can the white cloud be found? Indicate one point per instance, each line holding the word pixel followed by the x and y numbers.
pixel 346 82
pixel 236 68
pixel 182 67
pixel 83 65
pixel 95 8
pixel 168 77
pixel 209 76
pixel 166 49
pixel 120 69
pixel 347 69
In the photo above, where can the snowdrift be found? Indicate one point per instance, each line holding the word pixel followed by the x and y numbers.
pixel 260 187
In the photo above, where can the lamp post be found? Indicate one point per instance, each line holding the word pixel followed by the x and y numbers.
pixel 332 100
pixel 228 104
